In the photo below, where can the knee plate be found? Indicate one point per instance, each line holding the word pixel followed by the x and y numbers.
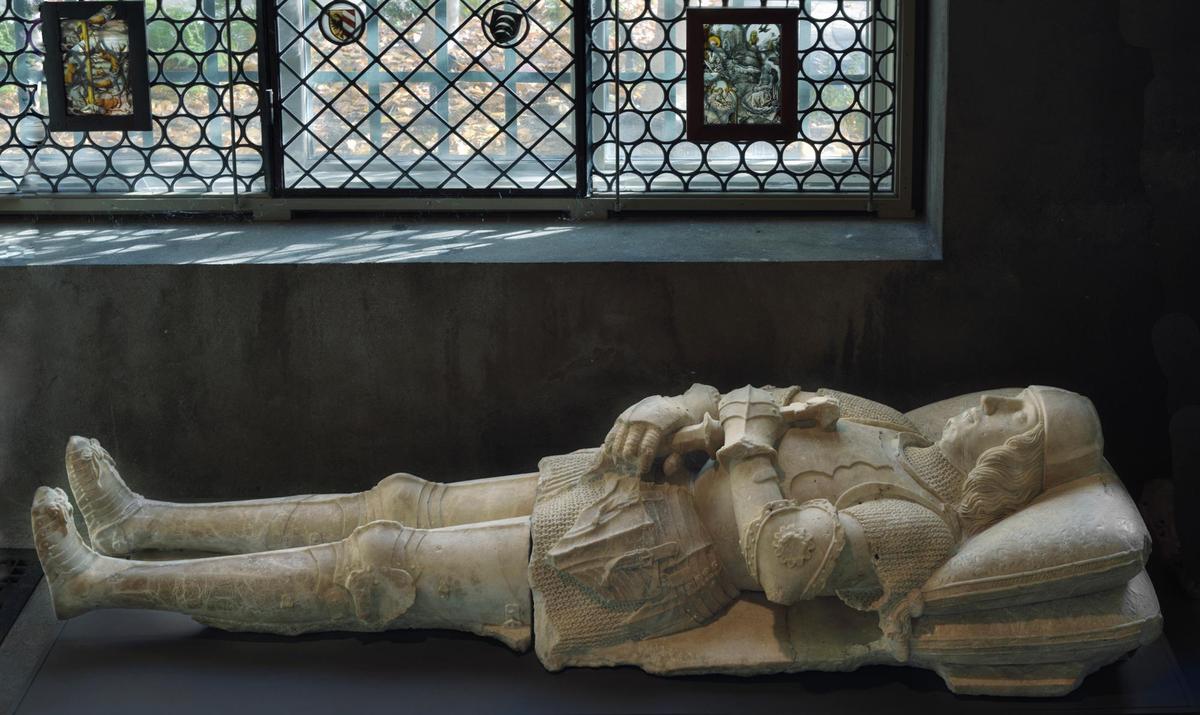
pixel 791 548
pixel 410 500
pixel 381 588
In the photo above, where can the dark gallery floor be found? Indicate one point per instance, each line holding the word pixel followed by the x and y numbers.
pixel 137 661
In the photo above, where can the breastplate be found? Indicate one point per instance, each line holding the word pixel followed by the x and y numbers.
pixel 854 461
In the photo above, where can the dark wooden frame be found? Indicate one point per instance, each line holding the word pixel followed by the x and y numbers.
pixel 133 13
pixel 697 130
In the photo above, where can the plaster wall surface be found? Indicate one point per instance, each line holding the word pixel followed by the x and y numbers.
pixel 1070 157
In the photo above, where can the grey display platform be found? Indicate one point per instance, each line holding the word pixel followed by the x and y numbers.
pixel 148 662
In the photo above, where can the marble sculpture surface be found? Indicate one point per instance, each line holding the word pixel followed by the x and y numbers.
pixel 984 537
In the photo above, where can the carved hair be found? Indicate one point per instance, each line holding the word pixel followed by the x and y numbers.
pixel 1004 479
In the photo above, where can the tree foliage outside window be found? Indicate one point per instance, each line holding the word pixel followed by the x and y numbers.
pixel 205 100
pixel 847 59
pixel 424 103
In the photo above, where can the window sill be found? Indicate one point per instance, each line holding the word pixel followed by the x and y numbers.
pixel 521 239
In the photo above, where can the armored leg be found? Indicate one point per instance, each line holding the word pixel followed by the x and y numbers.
pixel 382 576
pixel 121 521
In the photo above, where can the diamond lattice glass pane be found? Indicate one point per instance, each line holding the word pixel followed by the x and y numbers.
pixel 432 96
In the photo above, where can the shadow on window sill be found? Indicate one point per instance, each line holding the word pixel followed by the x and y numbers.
pixel 521 239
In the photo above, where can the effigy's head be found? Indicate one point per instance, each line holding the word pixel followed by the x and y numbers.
pixel 1014 448
pixel 1074 440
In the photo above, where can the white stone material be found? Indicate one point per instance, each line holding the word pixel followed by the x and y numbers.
pixel 984 537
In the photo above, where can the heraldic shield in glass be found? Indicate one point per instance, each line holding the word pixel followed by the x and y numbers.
pixel 96 65
pixel 342 22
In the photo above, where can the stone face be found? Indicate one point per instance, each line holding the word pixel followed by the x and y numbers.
pixel 983 537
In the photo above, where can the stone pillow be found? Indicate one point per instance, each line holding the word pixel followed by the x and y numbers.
pixel 1081 537
pixel 1039 649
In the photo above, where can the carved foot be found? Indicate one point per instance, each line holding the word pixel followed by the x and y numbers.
pixel 67 561
pixel 106 503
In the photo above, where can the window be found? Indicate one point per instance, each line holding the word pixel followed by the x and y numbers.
pixel 425 101
pixel 204 95
pixel 589 104
pixel 846 86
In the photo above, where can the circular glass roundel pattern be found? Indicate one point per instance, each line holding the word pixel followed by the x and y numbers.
pixel 202 68
pixel 207 100
pixel 845 96
pixel 342 22
pixel 504 23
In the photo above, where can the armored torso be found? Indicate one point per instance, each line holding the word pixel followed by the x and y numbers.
pixel 856 463
pixel 616 559
pixel 619 559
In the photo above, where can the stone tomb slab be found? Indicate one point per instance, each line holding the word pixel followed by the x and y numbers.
pixel 132 662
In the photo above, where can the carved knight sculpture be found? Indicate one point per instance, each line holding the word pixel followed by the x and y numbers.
pixel 827 531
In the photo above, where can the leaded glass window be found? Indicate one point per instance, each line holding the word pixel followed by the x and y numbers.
pixel 589 100
pixel 205 98
pixel 424 101
pixel 847 60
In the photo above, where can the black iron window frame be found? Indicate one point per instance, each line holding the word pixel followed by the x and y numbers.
pixel 186 154
pixel 902 51
pixel 581 199
pixel 578 67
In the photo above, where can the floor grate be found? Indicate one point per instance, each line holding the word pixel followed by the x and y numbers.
pixel 20 572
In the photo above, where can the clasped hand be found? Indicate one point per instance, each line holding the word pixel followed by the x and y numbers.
pixel 640 432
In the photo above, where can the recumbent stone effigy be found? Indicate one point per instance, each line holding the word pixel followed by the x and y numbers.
pixel 984 537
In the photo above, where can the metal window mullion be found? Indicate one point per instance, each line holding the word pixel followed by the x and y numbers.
pixel 590 84
pixel 233 133
pixel 373 93
pixel 269 62
pixel 442 65
pixel 616 60
pixel 872 73
pixel 581 13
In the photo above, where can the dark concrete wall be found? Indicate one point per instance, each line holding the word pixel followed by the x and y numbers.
pixel 1070 174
